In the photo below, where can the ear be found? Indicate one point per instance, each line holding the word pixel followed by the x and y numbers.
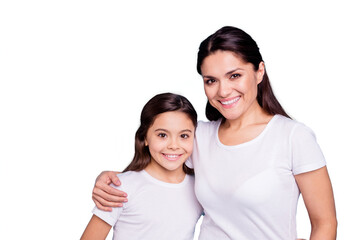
pixel 260 72
pixel 146 143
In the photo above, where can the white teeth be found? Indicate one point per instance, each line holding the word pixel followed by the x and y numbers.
pixel 230 101
pixel 171 156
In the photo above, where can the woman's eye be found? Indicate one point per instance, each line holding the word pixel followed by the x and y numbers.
pixel 209 81
pixel 236 75
pixel 162 135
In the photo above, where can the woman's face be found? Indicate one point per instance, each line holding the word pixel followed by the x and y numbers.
pixel 230 83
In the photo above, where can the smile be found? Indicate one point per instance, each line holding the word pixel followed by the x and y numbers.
pixel 228 103
pixel 172 157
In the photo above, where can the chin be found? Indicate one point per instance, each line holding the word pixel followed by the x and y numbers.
pixel 231 116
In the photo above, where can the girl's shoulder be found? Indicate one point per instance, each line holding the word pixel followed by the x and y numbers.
pixel 129 180
pixel 207 126
pixel 129 174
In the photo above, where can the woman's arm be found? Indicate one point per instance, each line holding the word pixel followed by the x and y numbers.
pixel 316 190
pixel 96 229
pixel 105 196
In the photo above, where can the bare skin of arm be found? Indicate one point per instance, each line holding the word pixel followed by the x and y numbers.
pixel 316 190
pixel 105 196
pixel 97 229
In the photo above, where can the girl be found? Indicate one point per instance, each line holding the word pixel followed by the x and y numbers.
pixel 251 160
pixel 157 181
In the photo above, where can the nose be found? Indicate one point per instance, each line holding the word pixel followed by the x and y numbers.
pixel 173 144
pixel 224 88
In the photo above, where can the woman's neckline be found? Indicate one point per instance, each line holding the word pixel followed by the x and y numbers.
pixel 255 139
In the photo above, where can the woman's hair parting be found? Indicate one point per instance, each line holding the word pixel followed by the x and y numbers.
pixel 239 42
pixel 161 103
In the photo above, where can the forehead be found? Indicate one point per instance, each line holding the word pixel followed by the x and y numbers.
pixel 175 120
pixel 223 61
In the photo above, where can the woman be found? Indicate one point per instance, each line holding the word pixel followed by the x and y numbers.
pixel 251 160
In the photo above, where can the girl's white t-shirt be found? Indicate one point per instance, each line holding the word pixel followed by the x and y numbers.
pixel 155 209
pixel 248 191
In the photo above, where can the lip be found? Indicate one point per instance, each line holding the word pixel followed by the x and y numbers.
pixel 229 102
pixel 172 157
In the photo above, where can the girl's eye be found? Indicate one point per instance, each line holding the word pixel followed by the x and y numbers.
pixel 236 75
pixel 162 135
pixel 184 136
pixel 209 81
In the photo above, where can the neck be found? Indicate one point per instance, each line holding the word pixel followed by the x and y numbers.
pixel 162 174
pixel 254 115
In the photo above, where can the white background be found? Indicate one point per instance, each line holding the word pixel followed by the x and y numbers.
pixel 76 74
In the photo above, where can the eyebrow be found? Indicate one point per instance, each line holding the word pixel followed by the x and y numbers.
pixel 228 73
pixel 164 130
pixel 232 71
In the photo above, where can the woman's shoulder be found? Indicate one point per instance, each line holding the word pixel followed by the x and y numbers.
pixel 286 122
pixel 293 127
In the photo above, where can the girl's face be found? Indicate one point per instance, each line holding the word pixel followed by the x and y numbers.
pixel 230 83
pixel 170 141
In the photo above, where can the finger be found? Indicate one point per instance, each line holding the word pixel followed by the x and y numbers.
pixel 104 203
pixel 103 176
pixel 114 178
pixel 109 197
pixel 106 176
pixel 101 207
pixel 109 190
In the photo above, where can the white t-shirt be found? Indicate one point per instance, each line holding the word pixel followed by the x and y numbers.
pixel 155 210
pixel 248 191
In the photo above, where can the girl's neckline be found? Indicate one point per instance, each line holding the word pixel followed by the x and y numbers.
pixel 162 183
pixel 252 141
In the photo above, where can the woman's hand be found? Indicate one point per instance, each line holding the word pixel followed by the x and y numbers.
pixel 105 196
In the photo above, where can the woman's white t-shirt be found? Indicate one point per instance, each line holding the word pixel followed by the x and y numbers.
pixel 248 191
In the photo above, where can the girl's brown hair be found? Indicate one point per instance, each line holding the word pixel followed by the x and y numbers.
pixel 161 103
pixel 239 42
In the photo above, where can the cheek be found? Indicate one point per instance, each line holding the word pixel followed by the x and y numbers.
pixel 155 147
pixel 256 80
pixel 206 92
pixel 254 88
pixel 248 87
pixel 189 146
pixel 209 92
